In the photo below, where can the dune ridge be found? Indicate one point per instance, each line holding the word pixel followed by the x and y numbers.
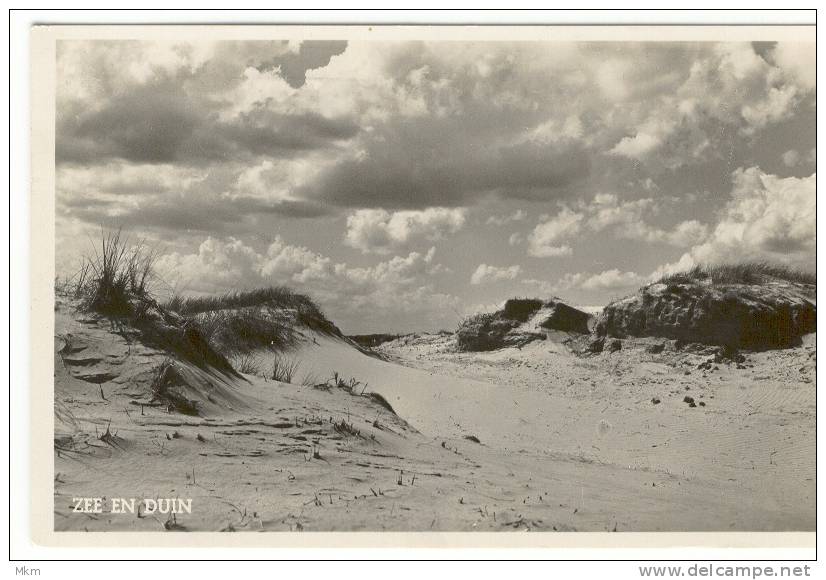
pixel 308 430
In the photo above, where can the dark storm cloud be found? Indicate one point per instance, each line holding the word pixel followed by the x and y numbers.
pixel 145 124
pixel 447 162
pixel 186 213
pixel 311 54
pixel 161 123
pixel 764 49
pixel 264 132
pixel 419 125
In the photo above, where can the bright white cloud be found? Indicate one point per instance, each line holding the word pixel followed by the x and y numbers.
pixel 400 288
pixel 378 231
pixel 553 287
pixel 485 274
pixel 612 279
pixel 398 135
pixel 798 60
pixel 684 234
pixel 543 240
pixel 218 265
pixel 777 105
pixel 730 85
pixel 298 264
pixel 607 210
pixel 638 146
pixel 768 218
pixel 686 262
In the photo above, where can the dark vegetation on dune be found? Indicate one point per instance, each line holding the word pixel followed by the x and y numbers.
pixel 751 305
pixel 745 273
pixel 275 296
pixel 521 309
pixel 241 322
pixel 116 281
pixel 494 330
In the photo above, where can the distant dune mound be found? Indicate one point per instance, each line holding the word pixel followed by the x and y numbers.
pixel 236 323
pixel 752 306
pixel 519 322
pixel 373 340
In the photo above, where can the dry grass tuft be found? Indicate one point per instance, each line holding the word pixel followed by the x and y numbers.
pixel 240 331
pixel 278 297
pixel 247 364
pixel 284 369
pixel 115 275
pixel 165 389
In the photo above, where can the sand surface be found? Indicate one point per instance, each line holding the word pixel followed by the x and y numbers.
pixel 517 439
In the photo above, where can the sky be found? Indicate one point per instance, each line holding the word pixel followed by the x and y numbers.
pixel 405 185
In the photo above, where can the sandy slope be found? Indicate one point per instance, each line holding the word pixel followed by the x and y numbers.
pixel 565 443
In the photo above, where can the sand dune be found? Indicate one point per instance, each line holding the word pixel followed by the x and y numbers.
pixel 533 438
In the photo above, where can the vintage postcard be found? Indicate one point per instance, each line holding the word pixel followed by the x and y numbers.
pixel 455 282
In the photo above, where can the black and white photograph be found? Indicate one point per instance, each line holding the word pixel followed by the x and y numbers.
pixel 420 282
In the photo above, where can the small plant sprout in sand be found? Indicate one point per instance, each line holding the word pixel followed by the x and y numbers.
pixel 351 385
pixel 346 428
pixel 284 369
pixel 107 436
pixel 314 454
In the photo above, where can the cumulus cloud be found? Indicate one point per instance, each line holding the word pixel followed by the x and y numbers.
pixel 798 59
pixel 381 232
pixel 607 210
pixel 409 126
pixel 768 218
pixel 613 280
pixel 543 240
pixel 628 219
pixel 399 289
pixel 217 265
pixel 684 234
pixel 485 274
pixel 686 262
pixel 727 86
pixel 794 158
pixel 517 216
pixel 221 142
pixel 554 286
